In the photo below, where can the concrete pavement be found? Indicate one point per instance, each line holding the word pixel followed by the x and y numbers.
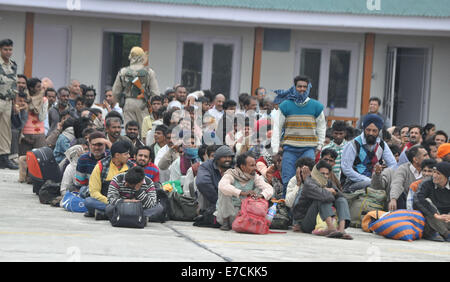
pixel 30 231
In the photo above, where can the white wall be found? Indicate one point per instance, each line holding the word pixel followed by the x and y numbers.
pixel 439 100
pixel 278 68
pixel 86 43
pixel 12 26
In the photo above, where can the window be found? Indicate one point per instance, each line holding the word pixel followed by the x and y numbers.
pixel 209 63
pixel 332 69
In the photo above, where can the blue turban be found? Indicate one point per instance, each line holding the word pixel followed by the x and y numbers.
pixel 373 118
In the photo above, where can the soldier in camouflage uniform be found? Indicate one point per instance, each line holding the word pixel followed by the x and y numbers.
pixel 8 79
pixel 131 98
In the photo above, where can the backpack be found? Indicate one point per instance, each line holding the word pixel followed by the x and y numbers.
pixel 252 217
pixel 73 202
pixel 362 201
pixel 49 191
pixel 182 208
pixel 128 214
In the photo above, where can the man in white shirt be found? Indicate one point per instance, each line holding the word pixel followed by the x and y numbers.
pixel 217 110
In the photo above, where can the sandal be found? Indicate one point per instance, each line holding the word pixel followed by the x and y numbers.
pixel 297 228
pixel 335 234
pixel 346 236
pixel 323 232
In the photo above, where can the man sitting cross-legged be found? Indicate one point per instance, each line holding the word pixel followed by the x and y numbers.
pixel 236 184
pixel 133 186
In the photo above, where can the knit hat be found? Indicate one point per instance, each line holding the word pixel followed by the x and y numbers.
pixel 443 150
pixel 223 151
pixel 444 168
pixel 120 147
pixel 373 118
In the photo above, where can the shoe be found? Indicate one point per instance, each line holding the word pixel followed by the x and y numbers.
pixel 11 165
pixel 448 238
pixel 88 214
pixel 226 224
pixel 436 237
pixel 7 163
pixel 100 215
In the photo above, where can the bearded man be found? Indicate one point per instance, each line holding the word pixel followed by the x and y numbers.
pixel 361 155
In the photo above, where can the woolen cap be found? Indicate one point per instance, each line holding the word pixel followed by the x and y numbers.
pixel 444 168
pixel 223 151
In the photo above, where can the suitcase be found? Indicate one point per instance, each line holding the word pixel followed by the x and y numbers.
pixel 42 166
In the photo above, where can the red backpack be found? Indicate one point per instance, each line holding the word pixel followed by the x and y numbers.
pixel 252 217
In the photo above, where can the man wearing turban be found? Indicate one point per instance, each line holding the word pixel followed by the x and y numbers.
pixel 361 155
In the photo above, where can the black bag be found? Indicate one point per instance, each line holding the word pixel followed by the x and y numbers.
pixel 281 220
pixel 206 218
pixel 182 208
pixel 128 214
pixel 49 191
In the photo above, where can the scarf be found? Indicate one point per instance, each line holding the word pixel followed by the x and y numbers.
pixel 291 94
pixel 185 164
pixel 69 133
pixel 239 175
pixel 318 177
pixel 35 105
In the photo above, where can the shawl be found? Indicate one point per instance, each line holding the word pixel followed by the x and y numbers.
pixel 291 94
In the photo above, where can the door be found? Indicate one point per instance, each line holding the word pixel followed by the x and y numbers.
pixel 407 85
pixel 116 48
pixel 209 63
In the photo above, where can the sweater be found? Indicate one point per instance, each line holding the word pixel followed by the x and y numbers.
pixel 402 179
pixel 439 196
pixel 304 125
pixel 118 191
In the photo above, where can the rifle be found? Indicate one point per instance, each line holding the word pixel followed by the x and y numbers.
pixel 137 83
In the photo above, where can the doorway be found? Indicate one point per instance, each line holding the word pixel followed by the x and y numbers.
pixel 116 48
pixel 407 85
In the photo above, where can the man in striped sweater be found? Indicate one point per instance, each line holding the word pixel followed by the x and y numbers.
pixel 133 186
pixel 301 126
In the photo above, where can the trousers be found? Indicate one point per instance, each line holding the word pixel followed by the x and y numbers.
pixel 5 127
pixel 134 109
pixel 290 156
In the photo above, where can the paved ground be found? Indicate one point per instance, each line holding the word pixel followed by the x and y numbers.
pixel 30 231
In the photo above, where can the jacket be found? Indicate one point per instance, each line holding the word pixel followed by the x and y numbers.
pixel 207 182
pixel 313 192
pixel 402 179
pixel 439 196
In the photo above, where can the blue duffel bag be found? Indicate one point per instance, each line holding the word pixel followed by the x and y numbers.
pixel 73 202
